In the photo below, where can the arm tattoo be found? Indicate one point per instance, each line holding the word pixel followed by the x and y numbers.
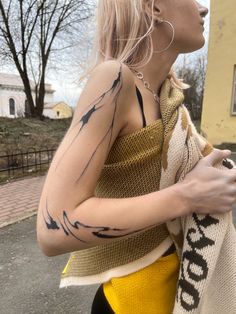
pixel 113 91
pixel 69 227
pixel 66 225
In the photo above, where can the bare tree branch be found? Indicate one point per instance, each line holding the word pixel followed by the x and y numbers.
pixel 41 28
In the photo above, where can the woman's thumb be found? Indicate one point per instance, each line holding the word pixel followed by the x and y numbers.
pixel 216 156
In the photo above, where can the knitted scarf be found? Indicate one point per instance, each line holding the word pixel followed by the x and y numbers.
pixel 206 244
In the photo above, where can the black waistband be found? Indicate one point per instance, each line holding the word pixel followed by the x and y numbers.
pixel 170 250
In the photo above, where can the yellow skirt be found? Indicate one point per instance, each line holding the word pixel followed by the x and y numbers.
pixel 150 290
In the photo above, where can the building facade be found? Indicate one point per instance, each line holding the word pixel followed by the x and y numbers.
pixel 58 110
pixel 218 122
pixel 13 101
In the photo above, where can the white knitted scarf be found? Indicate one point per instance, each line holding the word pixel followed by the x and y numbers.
pixel 206 244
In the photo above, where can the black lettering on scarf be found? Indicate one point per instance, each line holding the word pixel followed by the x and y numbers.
pixel 194 258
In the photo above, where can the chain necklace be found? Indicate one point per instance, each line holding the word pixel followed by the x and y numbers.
pixel 147 85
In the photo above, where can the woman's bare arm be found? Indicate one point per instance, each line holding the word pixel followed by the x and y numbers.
pixel 97 221
pixel 70 218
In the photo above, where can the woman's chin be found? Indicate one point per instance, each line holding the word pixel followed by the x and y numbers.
pixel 194 46
pixel 202 42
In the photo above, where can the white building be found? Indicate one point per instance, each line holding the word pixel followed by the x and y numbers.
pixel 13 102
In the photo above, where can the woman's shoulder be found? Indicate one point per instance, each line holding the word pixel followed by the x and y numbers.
pixel 107 69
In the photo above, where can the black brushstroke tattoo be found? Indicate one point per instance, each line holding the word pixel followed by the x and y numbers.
pixel 66 225
pixel 52 224
pixel 69 227
pixel 114 89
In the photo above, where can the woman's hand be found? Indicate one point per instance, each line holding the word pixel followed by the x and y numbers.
pixel 208 189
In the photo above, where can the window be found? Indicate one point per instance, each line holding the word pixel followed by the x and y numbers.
pixel 12 106
pixel 234 107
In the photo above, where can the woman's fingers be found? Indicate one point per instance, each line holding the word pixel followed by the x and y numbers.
pixel 230 174
pixel 214 157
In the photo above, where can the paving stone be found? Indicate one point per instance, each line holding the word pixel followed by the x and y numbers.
pixel 20 198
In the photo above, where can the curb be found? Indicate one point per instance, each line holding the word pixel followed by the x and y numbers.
pixel 17 219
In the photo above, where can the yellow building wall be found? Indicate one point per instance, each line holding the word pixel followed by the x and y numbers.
pixel 218 124
pixel 65 111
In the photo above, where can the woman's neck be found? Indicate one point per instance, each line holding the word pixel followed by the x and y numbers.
pixel 157 69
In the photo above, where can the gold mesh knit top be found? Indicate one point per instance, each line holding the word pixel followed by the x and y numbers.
pixel 133 165
pixel 132 168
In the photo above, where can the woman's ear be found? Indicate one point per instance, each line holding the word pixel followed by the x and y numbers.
pixel 153 7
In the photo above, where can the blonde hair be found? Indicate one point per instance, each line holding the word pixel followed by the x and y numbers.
pixel 124 33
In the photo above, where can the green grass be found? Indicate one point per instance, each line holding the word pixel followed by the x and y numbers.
pixel 21 134
pixel 24 133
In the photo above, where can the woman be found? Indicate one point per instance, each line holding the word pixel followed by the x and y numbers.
pixel 106 170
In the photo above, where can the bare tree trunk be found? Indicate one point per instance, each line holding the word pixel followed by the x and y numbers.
pixel 37 26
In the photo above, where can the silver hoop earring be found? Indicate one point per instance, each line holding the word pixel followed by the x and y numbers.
pixel 172 39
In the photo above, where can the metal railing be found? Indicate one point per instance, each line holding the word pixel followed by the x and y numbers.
pixel 32 160
pixel 28 161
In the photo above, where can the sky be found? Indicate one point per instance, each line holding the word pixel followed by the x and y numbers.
pixel 69 93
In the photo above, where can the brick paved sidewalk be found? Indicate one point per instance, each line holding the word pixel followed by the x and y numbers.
pixel 20 199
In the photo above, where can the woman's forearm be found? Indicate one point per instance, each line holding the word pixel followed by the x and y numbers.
pixel 97 221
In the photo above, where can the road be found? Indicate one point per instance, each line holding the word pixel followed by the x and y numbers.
pixel 30 280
